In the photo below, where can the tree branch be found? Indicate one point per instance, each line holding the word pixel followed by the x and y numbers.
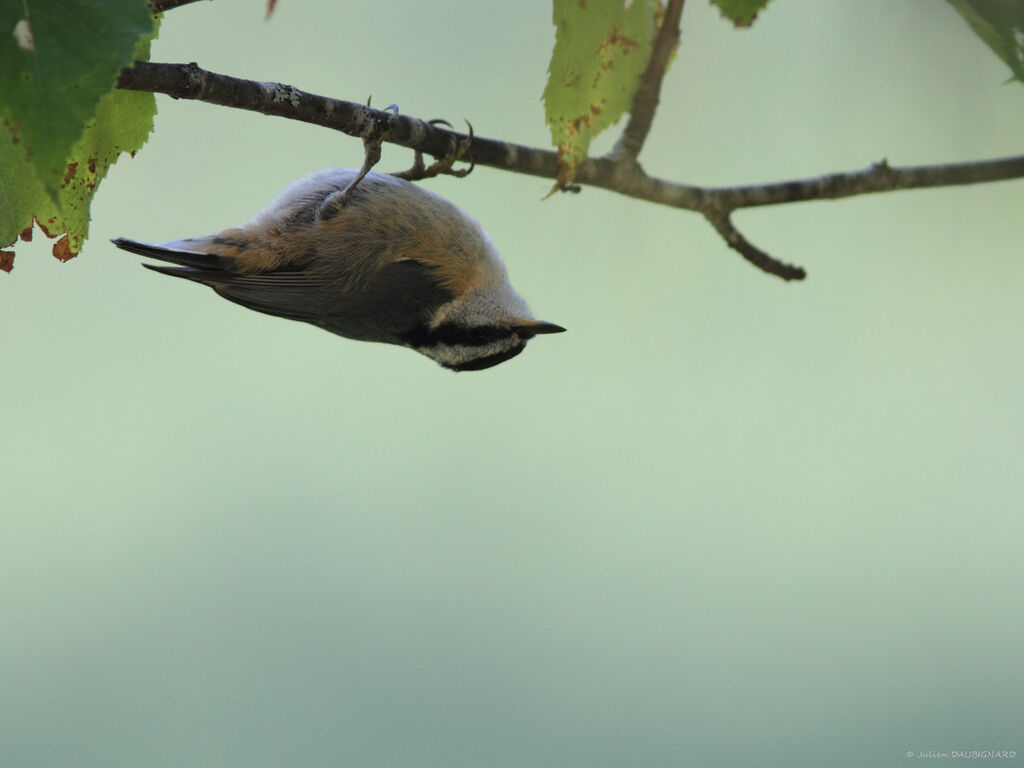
pixel 879 177
pixel 189 81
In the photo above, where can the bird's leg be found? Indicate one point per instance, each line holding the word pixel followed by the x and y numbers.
pixel 457 151
pixel 371 156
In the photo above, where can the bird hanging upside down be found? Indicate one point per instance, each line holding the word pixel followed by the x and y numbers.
pixel 382 261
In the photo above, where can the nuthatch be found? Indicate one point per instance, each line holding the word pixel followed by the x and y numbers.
pixel 384 261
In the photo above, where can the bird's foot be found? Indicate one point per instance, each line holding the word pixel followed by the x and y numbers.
pixel 371 156
pixel 458 150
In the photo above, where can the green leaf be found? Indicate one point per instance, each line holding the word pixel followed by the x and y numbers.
pixel 740 12
pixel 601 50
pixel 57 59
pixel 66 122
pixel 1000 23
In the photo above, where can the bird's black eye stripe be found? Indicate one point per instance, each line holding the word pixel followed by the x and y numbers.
pixel 452 334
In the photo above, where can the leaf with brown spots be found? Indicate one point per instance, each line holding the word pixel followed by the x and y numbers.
pixel 601 51
pixel 120 121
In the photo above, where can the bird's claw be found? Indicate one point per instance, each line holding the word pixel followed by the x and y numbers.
pixel 458 150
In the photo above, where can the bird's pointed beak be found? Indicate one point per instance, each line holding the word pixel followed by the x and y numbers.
pixel 539 327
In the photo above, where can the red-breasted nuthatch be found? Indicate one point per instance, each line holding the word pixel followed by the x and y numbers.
pixel 385 261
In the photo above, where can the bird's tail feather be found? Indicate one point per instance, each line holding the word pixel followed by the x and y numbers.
pixel 172 255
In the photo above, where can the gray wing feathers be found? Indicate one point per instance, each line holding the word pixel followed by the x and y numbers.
pixel 401 296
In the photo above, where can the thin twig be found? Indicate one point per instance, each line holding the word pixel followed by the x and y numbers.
pixel 189 81
pixel 722 223
pixel 648 94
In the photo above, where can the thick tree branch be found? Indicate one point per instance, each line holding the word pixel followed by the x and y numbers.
pixel 188 81
pixel 648 94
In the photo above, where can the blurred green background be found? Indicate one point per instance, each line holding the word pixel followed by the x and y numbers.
pixel 722 521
